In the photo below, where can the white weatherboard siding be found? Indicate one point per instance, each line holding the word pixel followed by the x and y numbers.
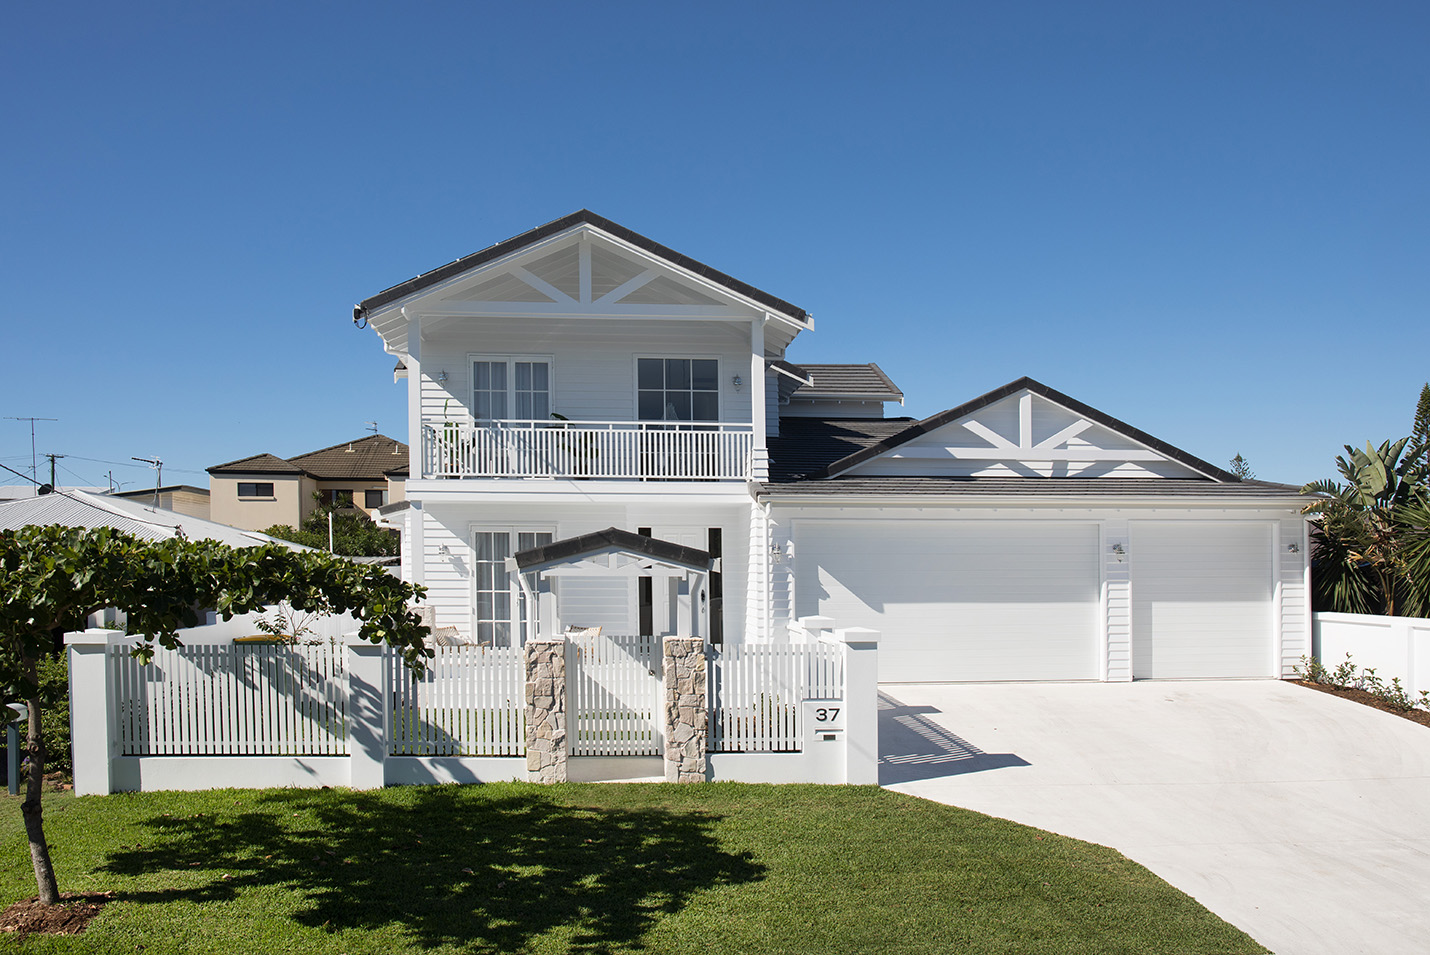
pixel 593 368
pixel 960 600
pixel 583 601
pixel 1202 600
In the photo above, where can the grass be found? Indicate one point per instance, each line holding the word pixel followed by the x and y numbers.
pixel 716 868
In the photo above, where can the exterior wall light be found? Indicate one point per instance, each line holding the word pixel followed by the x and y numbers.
pixel 441 376
pixel 1294 547
pixel 737 381
pixel 1120 551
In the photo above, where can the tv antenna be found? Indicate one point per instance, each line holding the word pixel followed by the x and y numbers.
pixel 34 465
pixel 157 463
pixel 370 426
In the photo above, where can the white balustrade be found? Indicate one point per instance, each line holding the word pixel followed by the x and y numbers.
pixel 632 450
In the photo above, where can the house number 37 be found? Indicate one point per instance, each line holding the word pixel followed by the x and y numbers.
pixel 826 714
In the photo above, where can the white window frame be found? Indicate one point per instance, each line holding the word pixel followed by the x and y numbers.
pixel 518 635
pixel 511 359
pixel 719 383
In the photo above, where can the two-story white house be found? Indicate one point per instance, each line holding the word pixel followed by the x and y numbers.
pixel 581 376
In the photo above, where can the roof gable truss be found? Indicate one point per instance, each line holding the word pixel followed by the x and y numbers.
pixel 1027 434
pixel 582 272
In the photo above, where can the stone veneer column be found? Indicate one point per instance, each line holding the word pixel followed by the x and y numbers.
pixel 686 712
pixel 546 710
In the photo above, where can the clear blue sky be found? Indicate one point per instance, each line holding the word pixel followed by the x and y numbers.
pixel 1208 219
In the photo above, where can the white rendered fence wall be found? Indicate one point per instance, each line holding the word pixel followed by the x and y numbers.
pixel 1395 647
pixel 470 702
pixel 614 685
pixel 757 690
pixel 230 700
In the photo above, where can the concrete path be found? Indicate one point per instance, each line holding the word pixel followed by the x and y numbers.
pixel 1301 818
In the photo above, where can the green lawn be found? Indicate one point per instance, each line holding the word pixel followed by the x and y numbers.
pixel 719 868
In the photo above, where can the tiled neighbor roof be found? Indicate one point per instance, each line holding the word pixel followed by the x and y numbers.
pixel 365 459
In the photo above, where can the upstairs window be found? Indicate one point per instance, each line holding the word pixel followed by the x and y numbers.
pixel 511 389
pixel 374 498
pixel 338 498
pixel 678 389
pixel 252 489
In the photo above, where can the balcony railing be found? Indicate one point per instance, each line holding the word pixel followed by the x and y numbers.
pixel 629 450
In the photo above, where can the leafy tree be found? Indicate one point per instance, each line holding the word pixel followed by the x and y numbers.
pixel 354 533
pixel 1365 529
pixel 1241 469
pixel 54 577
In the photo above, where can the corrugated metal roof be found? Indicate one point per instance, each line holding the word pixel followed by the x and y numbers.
pixel 82 509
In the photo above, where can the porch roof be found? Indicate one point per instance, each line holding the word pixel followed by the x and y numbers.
pixel 610 541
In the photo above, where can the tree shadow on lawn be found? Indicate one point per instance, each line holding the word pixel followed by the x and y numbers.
pixel 481 872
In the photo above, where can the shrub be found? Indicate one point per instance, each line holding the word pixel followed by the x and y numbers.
pixel 55 716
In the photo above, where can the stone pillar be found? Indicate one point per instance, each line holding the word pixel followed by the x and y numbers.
pixel 546 710
pixel 687 719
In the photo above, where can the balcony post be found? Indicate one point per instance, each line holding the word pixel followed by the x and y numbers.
pixel 416 443
pixel 759 455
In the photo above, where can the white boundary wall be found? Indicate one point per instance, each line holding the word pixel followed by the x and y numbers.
pixel 1392 646
pixel 842 749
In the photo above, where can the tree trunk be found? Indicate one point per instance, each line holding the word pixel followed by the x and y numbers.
pixel 34 783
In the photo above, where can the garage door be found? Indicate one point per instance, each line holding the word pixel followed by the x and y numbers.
pixel 1201 600
pixel 959 600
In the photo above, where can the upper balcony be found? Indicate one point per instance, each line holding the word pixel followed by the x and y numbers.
pixel 612 450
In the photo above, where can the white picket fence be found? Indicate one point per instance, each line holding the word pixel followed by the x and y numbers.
pixel 470 702
pixel 756 691
pixel 614 695
pixel 231 700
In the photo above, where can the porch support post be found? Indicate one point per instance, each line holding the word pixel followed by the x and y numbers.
pixel 414 397
pixel 92 729
pixel 367 712
pixel 759 453
pixel 687 719
pixel 546 746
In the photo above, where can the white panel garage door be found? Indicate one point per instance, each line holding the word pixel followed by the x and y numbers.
pixel 959 600
pixel 1201 600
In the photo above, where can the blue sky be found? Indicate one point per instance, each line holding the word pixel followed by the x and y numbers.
pixel 1209 220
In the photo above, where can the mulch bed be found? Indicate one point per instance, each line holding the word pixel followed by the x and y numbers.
pixel 69 917
pixel 1366 698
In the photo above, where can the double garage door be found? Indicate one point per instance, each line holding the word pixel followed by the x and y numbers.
pixel 972 601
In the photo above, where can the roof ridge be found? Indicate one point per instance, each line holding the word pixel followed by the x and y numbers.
pixel 334 447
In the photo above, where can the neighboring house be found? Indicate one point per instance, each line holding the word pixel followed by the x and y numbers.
pixel 581 376
pixel 179 498
pixel 260 491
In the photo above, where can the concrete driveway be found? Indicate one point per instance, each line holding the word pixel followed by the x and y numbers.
pixel 1301 818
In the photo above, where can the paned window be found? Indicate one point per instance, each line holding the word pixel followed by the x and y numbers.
pixel 337 497
pixel 252 489
pixel 678 389
pixel 499 610
pixel 374 498
pixel 511 388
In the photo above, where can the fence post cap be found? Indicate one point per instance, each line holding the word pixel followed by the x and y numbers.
pixel 93 637
pixel 856 635
pixel 817 623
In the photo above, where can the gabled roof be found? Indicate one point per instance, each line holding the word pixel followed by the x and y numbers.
pixel 369 458
pixel 943 418
pixel 867 382
pixel 366 459
pixel 611 540
pixel 257 464
pixel 582 216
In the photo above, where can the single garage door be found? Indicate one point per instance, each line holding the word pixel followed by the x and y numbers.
pixel 1201 600
pixel 959 601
